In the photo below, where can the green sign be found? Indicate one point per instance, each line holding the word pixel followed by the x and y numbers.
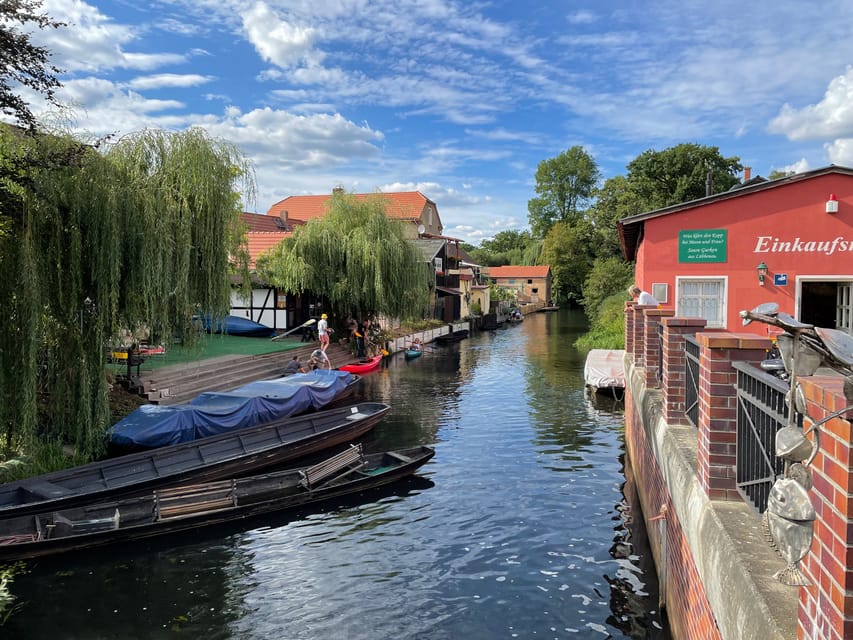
pixel 706 245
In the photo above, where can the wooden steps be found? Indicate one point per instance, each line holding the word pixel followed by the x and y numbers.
pixel 180 383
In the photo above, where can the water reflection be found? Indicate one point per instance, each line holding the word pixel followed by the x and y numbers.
pixel 521 526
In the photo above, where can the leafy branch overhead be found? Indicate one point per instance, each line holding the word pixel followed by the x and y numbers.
pixel 24 64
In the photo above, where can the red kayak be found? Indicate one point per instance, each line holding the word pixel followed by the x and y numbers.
pixel 362 366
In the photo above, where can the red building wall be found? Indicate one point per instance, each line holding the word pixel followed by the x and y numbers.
pixel 780 226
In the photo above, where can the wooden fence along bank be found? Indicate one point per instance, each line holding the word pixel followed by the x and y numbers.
pixel 688 457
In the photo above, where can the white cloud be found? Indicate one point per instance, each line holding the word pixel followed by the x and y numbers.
pixel 92 41
pixel 582 17
pixel 831 117
pixel 277 41
pixel 840 151
pixel 168 81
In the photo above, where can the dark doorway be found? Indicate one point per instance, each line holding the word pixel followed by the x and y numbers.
pixel 818 304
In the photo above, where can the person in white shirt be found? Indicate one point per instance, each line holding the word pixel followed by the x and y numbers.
pixel 642 297
pixel 323 332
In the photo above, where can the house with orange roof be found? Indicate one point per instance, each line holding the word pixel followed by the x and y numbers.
pixel 530 284
pixel 407 206
pixel 272 307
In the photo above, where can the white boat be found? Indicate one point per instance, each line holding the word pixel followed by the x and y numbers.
pixel 604 370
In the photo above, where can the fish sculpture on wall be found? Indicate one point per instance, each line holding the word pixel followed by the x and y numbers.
pixel 788 525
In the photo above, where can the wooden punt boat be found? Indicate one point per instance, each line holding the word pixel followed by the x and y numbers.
pixel 184 507
pixel 232 454
pixel 214 412
pixel 363 366
pixel 450 338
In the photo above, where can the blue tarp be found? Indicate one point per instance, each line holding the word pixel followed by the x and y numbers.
pixel 212 413
pixel 236 326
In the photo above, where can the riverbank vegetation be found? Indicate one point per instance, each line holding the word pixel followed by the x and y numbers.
pixel 96 239
pixel 573 220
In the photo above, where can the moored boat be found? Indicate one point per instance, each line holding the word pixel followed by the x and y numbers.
pixel 364 365
pixel 232 454
pixel 604 370
pixel 184 507
pixel 450 338
pixel 211 413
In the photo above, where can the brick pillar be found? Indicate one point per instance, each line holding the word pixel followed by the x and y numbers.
pixel 639 340
pixel 629 328
pixel 652 344
pixel 718 407
pixel 674 383
pixel 826 607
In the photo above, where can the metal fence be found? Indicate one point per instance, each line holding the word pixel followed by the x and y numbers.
pixel 761 412
pixel 691 392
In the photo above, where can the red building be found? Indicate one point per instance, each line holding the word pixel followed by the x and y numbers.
pixel 788 241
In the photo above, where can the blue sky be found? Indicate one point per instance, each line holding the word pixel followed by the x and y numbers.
pixel 462 100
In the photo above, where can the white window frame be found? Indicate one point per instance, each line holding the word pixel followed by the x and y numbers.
pixel 836 278
pixel 722 321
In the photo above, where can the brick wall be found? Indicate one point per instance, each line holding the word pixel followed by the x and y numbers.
pixel 826 607
pixel 688 611
pixel 674 383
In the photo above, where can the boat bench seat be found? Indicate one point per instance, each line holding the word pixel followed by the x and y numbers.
pixel 173 502
pixel 346 461
pixel 399 456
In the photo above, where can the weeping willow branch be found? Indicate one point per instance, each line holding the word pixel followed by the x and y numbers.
pixel 357 258
pixel 94 242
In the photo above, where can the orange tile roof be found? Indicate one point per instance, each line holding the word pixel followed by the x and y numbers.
pixel 259 242
pixel 261 222
pixel 404 205
pixel 510 271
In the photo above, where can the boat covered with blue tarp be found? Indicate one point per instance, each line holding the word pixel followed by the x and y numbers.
pixel 212 413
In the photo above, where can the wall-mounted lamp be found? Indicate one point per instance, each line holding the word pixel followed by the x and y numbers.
pixel 762 272
pixel 832 204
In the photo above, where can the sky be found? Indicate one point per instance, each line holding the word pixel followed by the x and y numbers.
pixel 460 100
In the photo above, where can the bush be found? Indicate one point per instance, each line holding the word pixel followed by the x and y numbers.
pixel 607 328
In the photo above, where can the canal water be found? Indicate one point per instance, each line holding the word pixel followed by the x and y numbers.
pixel 522 526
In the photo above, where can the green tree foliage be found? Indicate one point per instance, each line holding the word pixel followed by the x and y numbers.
pixel 607 325
pixel 357 257
pixel 564 185
pixel 23 64
pixel 614 200
pixel 566 249
pixel 507 247
pixel 678 174
pixel 607 275
pixel 98 242
pixel 776 174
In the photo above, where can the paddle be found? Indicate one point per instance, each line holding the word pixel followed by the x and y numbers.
pixel 301 326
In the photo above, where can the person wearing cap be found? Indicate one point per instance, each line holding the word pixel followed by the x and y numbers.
pixel 323 332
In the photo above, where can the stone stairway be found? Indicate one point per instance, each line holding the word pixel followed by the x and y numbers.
pixel 180 383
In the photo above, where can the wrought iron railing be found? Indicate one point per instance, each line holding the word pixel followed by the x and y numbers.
pixel 691 391
pixel 761 412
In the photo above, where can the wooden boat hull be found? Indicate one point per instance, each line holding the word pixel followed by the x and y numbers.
pixel 362 366
pixel 193 506
pixel 450 338
pixel 232 454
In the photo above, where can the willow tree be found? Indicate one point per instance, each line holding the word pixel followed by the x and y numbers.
pixel 96 241
pixel 357 258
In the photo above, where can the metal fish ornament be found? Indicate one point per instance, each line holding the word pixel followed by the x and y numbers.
pixel 788 525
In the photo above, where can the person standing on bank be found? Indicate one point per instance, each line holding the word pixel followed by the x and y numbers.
pixel 323 332
pixel 642 297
